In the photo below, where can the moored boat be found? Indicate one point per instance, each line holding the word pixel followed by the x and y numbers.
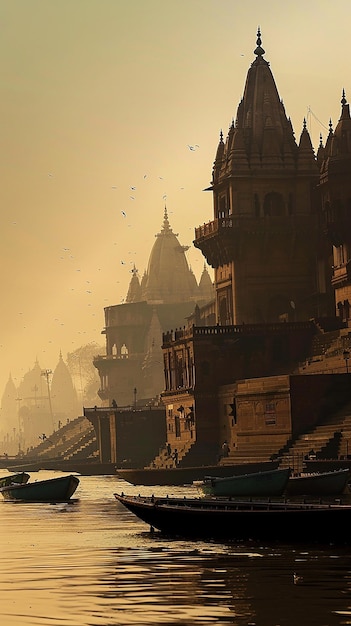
pixel 19 478
pixel 319 484
pixel 187 475
pixel 51 490
pixel 269 483
pixel 227 519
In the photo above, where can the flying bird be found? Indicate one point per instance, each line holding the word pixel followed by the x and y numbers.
pixel 124 214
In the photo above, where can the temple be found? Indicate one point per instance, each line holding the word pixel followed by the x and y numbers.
pixel 258 362
pixel 132 368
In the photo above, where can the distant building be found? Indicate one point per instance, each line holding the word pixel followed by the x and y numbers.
pixel 166 295
pixel 64 398
pixel 9 408
pixel 43 401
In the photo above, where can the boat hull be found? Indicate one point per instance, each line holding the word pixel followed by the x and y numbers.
pixel 187 475
pixel 52 490
pixel 259 484
pixel 332 483
pixel 224 519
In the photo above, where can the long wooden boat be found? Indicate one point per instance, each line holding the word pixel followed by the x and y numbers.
pixel 269 483
pixel 331 483
pixel 58 489
pixel 187 475
pixel 20 478
pixel 226 519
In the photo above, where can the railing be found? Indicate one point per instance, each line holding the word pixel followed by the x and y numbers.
pixel 234 330
pixel 285 223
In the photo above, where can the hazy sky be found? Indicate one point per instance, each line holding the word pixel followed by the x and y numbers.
pixel 99 96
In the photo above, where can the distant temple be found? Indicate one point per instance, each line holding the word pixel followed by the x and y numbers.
pixel 43 402
pixel 167 294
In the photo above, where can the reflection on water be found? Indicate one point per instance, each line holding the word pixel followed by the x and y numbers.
pixel 91 562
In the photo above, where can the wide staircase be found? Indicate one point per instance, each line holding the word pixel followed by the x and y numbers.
pixel 254 452
pixel 189 454
pixel 75 440
pixel 330 440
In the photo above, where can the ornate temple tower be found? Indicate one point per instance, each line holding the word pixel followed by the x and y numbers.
pixel 265 242
pixel 164 298
pixel 335 188
pixel 64 396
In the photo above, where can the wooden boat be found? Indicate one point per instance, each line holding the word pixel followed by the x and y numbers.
pixel 20 478
pixel 331 483
pixel 187 475
pixel 51 490
pixel 258 484
pixel 227 519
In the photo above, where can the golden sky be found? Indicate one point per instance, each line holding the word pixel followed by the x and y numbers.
pixel 102 96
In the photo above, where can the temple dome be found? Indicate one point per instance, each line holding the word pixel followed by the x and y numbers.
pixel 168 278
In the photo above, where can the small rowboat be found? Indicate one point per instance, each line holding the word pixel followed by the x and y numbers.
pixel 258 484
pixel 19 478
pixel 319 484
pixel 52 490
pixel 226 519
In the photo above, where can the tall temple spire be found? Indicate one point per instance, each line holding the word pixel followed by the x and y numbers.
pixel 262 137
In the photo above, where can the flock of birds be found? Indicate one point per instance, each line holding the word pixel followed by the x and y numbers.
pixel 67 254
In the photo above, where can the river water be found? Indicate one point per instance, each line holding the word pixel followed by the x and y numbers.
pixel 92 563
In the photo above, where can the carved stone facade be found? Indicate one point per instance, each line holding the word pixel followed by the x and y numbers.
pixel 266 243
pixel 274 202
